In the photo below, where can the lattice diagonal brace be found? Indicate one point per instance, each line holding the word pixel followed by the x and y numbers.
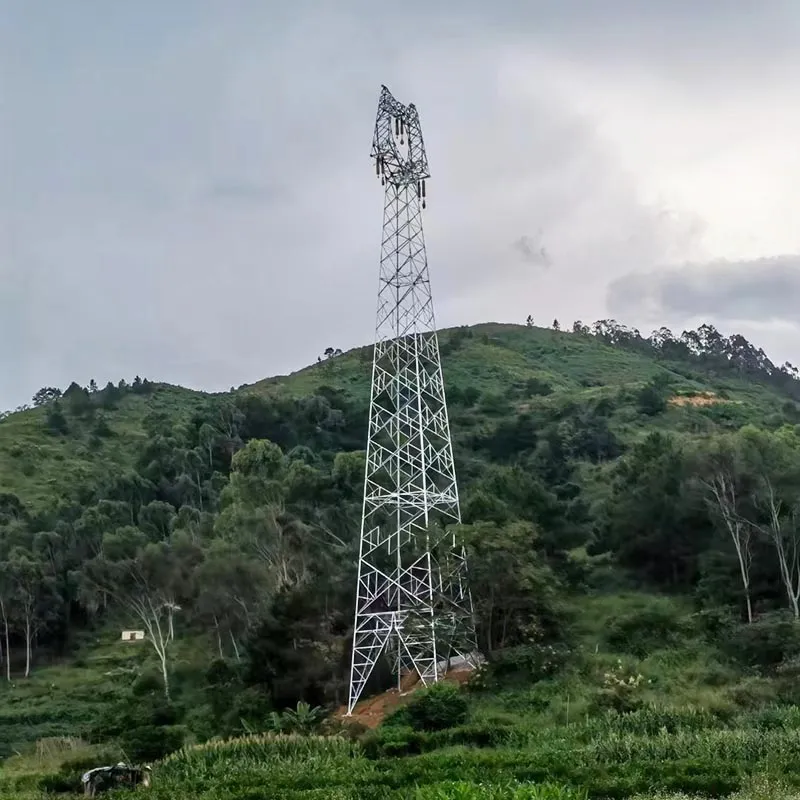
pixel 413 602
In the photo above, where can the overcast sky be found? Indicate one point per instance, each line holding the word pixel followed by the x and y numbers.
pixel 186 193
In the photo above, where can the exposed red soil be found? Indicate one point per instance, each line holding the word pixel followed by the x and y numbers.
pixel 701 399
pixel 371 711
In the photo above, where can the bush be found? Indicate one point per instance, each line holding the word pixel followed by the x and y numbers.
pixel 396 740
pixel 770 641
pixel 525 664
pixel 753 693
pixel 654 625
pixel 535 386
pixel 151 742
pixel 437 707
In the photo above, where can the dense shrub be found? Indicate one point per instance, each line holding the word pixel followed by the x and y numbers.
pixel 148 743
pixel 766 643
pixel 655 624
pixel 437 707
pixel 525 664
pixel 752 693
pixel 396 740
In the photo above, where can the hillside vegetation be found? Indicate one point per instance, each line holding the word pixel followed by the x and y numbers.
pixel 629 516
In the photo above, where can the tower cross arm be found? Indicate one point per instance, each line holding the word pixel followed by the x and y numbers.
pixel 397 145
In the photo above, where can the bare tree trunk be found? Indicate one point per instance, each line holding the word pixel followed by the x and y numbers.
pixel 489 618
pixel 160 645
pixel 28 635
pixel 151 613
pixel 724 492
pixel 165 676
pixel 219 637
pixel 199 490
pixel 788 560
pixel 235 646
pixel 5 631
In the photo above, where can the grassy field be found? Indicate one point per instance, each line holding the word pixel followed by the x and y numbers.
pixel 617 715
pixel 39 467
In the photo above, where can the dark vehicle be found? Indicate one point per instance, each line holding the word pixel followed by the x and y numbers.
pixel 101 779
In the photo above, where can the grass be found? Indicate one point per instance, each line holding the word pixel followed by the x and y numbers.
pixel 687 736
pixel 39 467
pixel 573 762
pixel 64 699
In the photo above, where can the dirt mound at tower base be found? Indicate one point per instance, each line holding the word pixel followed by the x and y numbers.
pixel 371 711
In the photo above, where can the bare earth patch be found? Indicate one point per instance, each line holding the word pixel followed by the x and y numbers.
pixel 371 711
pixel 700 399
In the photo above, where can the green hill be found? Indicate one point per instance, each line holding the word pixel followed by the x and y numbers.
pixel 609 597
pixel 503 369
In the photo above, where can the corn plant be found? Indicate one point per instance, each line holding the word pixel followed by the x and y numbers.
pixel 470 791
pixel 255 751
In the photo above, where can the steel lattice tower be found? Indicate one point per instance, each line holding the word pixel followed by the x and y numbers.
pixel 412 597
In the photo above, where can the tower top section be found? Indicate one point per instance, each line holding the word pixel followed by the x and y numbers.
pixel 397 146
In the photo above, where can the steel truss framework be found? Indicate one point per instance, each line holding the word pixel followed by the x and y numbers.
pixel 413 602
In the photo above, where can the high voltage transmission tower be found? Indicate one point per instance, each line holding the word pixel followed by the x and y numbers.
pixel 412 600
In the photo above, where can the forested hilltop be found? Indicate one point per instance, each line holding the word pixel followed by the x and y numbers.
pixel 623 497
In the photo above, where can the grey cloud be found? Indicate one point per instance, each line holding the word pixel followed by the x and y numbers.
pixel 185 189
pixel 532 250
pixel 247 192
pixel 765 290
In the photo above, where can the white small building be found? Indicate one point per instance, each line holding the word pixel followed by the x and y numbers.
pixel 132 636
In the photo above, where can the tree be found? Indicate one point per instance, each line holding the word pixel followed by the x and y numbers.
pixel 147 579
pixel 522 607
pixel 529 321
pixel 776 462
pixel 556 326
pixel 232 588
pixel 723 473
pixel 78 401
pixel 155 520
pixel 28 584
pixel 101 428
pixel 6 595
pixel 109 396
pixel 92 386
pixel 55 420
pixel 46 395
pixel 257 473
pixel 650 399
pixel 579 328
pixel 653 521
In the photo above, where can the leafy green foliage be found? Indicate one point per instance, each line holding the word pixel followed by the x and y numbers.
pixel 653 625
pixel 226 527
pixel 440 706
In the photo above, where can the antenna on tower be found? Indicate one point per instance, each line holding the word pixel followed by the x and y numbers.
pixel 412 599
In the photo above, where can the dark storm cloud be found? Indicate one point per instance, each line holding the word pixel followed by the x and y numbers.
pixel 185 191
pixel 760 290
